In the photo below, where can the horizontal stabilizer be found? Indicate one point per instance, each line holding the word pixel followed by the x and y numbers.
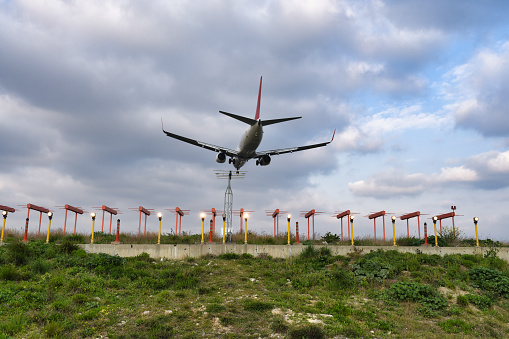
pixel 276 121
pixel 248 121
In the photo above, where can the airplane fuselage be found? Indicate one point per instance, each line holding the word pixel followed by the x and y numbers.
pixel 248 144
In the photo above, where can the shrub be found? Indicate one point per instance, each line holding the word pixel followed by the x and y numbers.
pixel 416 292
pixel 68 246
pixel 341 279
pixel 17 253
pixel 379 265
pixel 482 302
pixel 462 300
pixel 455 326
pixel 490 280
pixel 40 266
pixel 331 238
pixel 229 256
pixel 310 331
pixel 256 305
pixel 214 308
pixel 279 325
pixel 9 273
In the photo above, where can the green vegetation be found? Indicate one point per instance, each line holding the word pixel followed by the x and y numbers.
pixel 57 289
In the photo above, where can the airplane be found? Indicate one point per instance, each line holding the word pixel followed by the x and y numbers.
pixel 250 141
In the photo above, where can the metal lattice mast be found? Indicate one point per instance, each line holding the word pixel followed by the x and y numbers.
pixel 228 207
pixel 228 197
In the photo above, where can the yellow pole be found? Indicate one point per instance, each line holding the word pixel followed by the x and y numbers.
pixel 476 219
pixel 394 229
pixel 224 229
pixel 160 216
pixel 351 226
pixel 245 231
pixel 50 215
pixel 3 226
pixel 93 226
pixel 435 224
pixel 202 230
pixel 288 231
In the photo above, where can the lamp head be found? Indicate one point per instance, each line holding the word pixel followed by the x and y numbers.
pixel 92 215
pixel 246 216
pixel 50 215
pixel 476 219
pixel 289 216
pixel 224 216
pixel 202 216
pixel 435 218
pixel 393 218
pixel 352 217
pixel 4 213
pixel 159 215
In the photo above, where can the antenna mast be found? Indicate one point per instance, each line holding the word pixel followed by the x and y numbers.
pixel 228 197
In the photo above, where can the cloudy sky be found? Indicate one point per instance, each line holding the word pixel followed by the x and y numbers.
pixel 417 92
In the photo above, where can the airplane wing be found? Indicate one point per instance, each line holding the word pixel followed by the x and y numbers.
pixel 293 149
pixel 229 152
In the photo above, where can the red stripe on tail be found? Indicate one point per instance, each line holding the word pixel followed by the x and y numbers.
pixel 257 116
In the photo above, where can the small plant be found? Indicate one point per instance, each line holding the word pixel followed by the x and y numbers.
pixel 331 238
pixel 10 273
pixel 229 256
pixel 310 331
pixel 455 326
pixel 257 306
pixel 416 292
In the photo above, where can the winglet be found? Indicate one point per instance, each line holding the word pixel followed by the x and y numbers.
pixel 257 116
pixel 162 125
pixel 333 134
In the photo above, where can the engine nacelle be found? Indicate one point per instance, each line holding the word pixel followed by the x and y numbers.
pixel 221 157
pixel 263 160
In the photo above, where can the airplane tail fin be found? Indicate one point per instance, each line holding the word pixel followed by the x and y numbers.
pixel 257 115
pixel 250 121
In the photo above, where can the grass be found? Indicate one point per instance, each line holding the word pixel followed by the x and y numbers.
pixel 56 289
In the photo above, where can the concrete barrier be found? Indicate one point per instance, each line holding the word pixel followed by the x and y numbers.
pixel 183 251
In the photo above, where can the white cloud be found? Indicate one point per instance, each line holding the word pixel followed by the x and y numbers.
pixel 480 92
pixel 486 171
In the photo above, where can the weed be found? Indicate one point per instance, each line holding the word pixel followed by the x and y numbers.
pixel 416 292
pixel 279 325
pixel 256 305
pixel 310 331
pixel 229 256
pixel 455 326
pixel 10 273
pixel 215 308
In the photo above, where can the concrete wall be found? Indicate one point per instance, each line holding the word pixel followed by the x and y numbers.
pixel 182 251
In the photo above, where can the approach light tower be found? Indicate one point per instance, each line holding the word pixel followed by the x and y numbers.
pixel 228 196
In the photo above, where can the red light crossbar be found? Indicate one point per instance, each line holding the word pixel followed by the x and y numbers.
pixel 341 215
pixel 7 209
pixel 376 215
pixel 275 215
pixel 76 210
pixel 445 216
pixel 38 209
pixel 310 214
pixel 111 211
pixel 179 213
pixel 409 216
pixel 145 211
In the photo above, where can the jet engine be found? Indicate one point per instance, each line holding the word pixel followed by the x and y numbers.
pixel 264 160
pixel 221 157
